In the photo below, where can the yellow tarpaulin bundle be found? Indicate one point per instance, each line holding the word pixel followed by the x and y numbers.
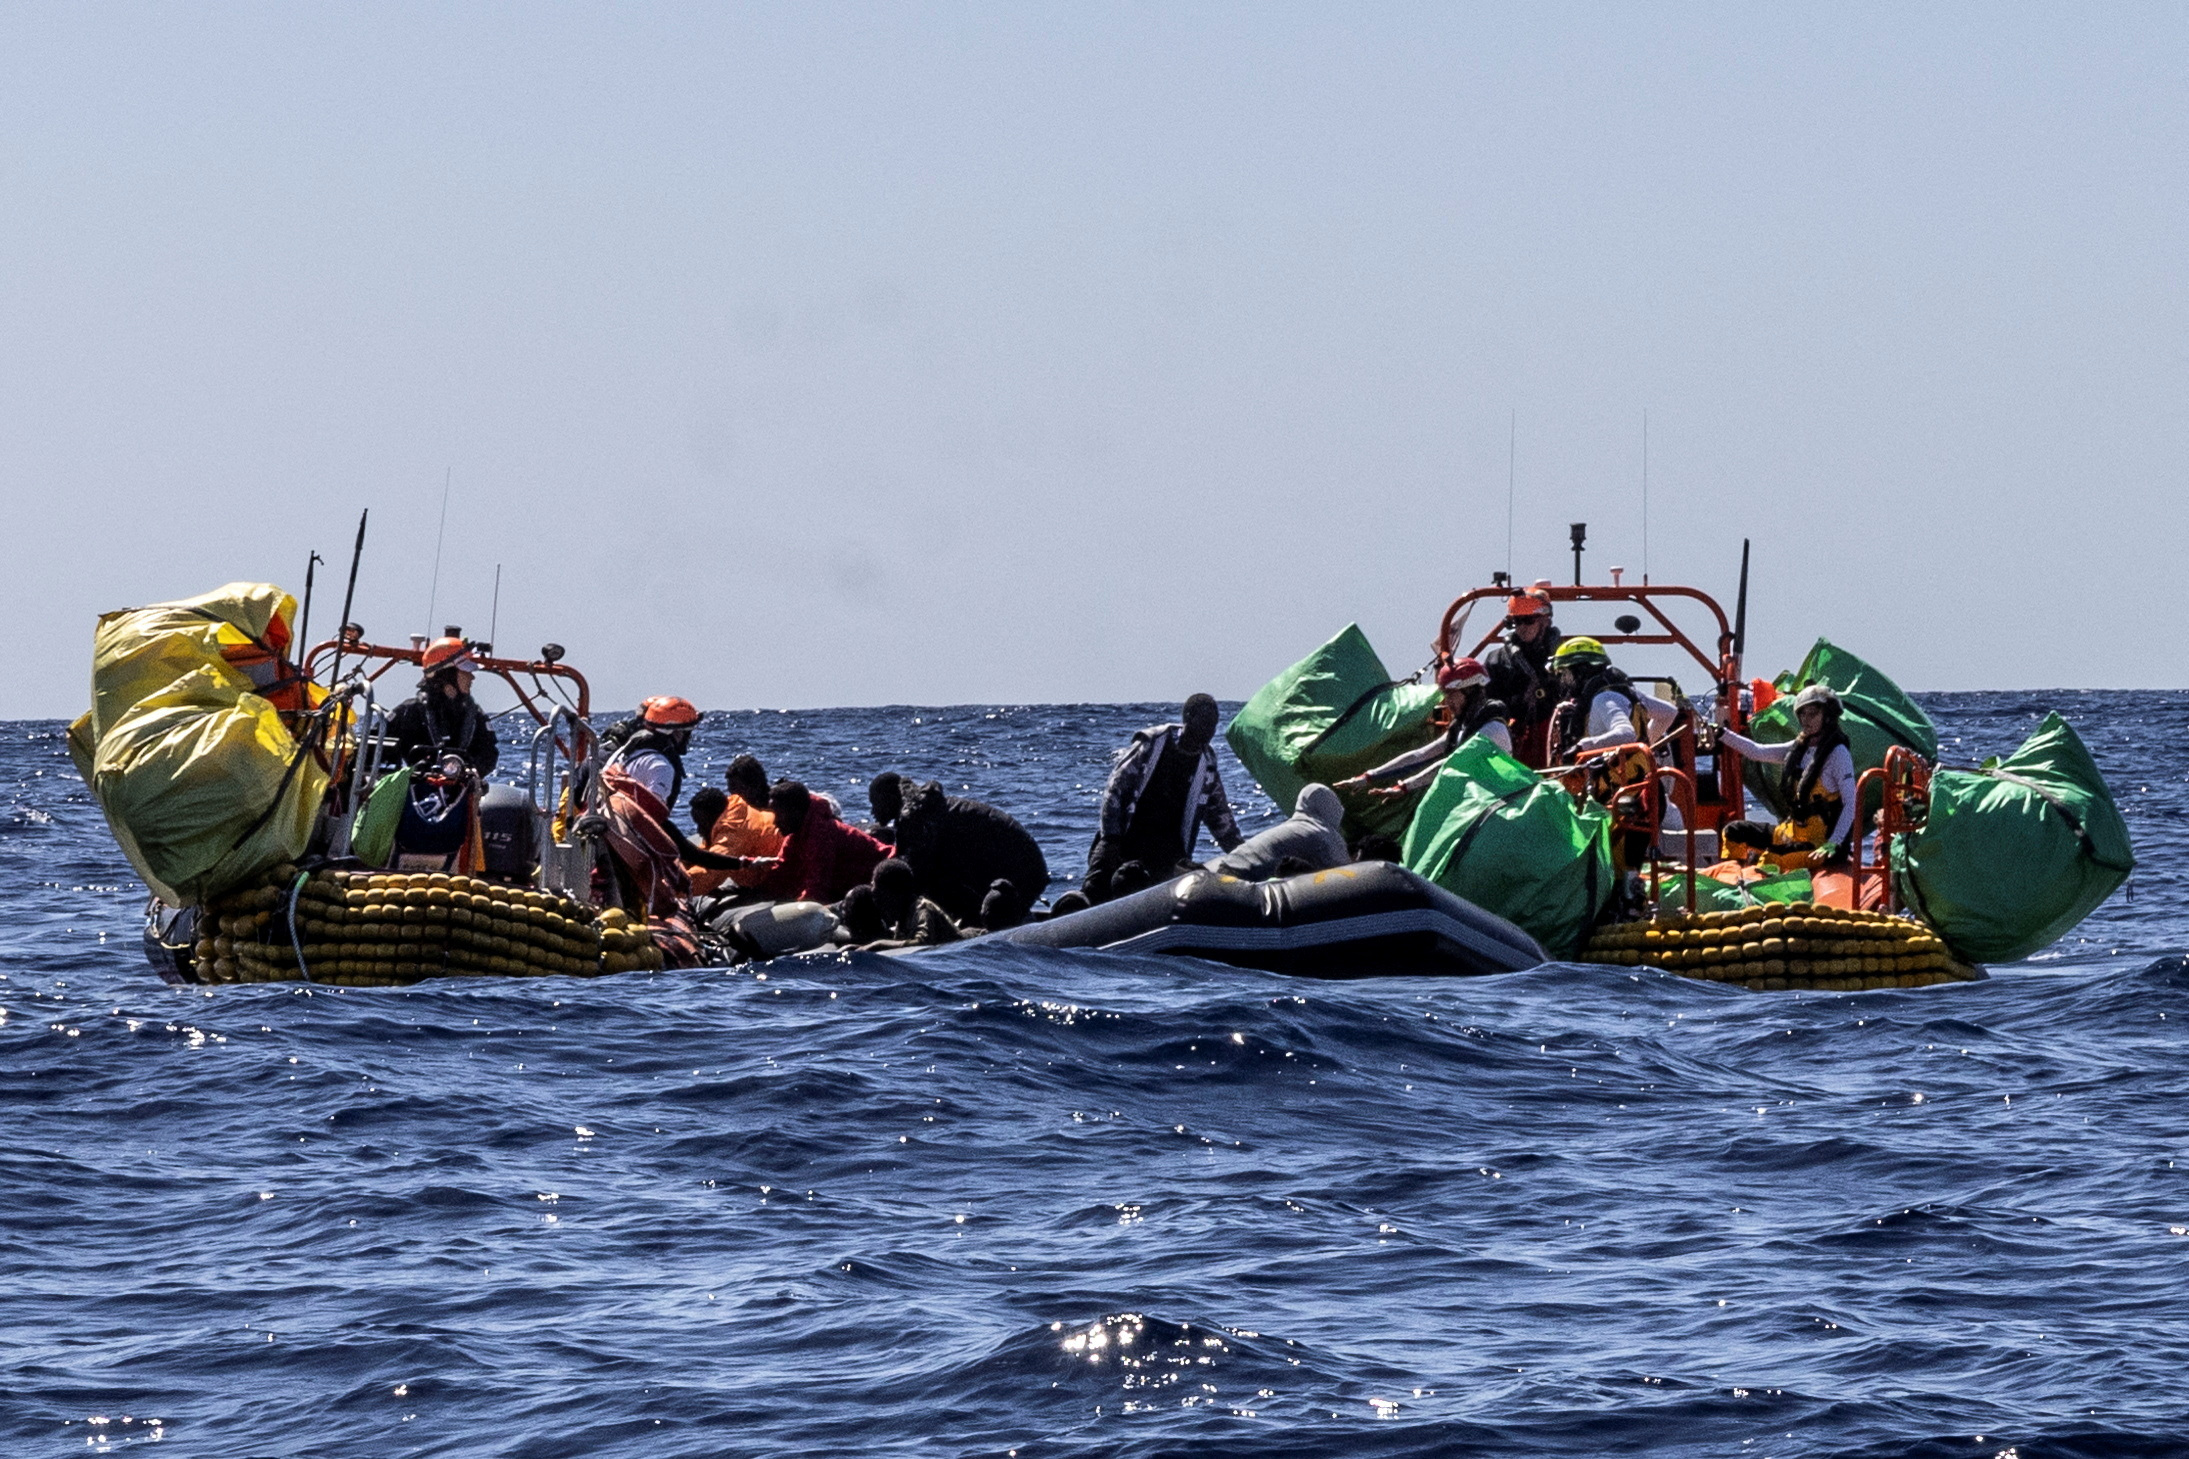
pixel 201 781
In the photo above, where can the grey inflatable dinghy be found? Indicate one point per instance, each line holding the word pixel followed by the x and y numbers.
pixel 1368 919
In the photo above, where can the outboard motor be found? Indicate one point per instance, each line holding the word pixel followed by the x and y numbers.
pixel 507 832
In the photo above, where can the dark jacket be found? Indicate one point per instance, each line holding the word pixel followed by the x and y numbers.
pixel 430 725
pixel 1520 675
pixel 1205 801
pixel 957 847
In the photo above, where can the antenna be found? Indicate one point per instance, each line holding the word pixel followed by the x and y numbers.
pixel 1740 608
pixel 433 594
pixel 496 620
pixel 1512 474
pixel 349 597
pixel 1645 498
pixel 304 619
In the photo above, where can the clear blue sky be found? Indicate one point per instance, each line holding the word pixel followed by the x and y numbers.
pixel 802 355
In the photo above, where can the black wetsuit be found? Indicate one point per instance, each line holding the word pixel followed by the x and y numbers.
pixel 1521 676
pixel 431 725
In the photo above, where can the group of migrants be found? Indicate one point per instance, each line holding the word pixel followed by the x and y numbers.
pixel 774 865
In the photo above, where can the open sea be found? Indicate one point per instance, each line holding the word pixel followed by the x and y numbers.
pixel 1012 1202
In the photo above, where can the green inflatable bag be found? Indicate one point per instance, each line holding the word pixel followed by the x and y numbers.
pixel 1712 895
pixel 1330 716
pixel 1877 717
pixel 2015 853
pixel 1489 830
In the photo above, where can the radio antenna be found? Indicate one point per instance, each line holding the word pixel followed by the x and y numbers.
pixel 349 597
pixel 495 622
pixel 1645 498
pixel 304 619
pixel 1512 475
pixel 433 594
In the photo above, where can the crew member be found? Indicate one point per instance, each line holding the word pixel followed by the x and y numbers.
pixel 1599 707
pixel 637 792
pixel 1464 683
pixel 1521 676
pixel 443 721
pixel 1817 782
pixel 1164 789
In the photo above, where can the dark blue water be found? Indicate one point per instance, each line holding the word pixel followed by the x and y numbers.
pixel 995 1201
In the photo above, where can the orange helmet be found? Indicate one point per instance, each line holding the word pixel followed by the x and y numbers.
pixel 1527 605
pixel 449 653
pixel 669 711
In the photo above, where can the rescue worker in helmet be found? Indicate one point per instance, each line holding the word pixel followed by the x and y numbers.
pixel 1817 783
pixel 637 790
pixel 1520 673
pixel 1599 707
pixel 1465 686
pixel 443 723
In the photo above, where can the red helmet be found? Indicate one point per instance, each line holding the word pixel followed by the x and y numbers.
pixel 449 653
pixel 1462 674
pixel 669 711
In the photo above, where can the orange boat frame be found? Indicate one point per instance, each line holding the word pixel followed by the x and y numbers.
pixel 1707 801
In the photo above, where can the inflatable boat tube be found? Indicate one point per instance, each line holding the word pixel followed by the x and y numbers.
pixel 1364 920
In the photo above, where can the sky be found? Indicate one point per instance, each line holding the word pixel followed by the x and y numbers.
pixel 806 355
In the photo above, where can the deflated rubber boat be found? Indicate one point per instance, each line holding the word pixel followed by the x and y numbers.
pixel 1370 919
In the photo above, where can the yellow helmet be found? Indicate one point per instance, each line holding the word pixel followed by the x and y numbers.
pixel 1578 648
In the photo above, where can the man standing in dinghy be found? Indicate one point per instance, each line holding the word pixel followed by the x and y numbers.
pixel 1164 790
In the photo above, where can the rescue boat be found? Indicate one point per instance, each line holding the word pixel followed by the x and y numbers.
pixel 241 786
pixel 1617 854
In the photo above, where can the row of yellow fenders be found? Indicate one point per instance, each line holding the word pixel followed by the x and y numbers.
pixel 381 929
pixel 1786 945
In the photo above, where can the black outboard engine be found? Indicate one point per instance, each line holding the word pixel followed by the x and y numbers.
pixel 507 831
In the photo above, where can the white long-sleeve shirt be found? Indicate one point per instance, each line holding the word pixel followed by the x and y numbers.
pixel 1611 723
pixel 1425 762
pixel 1837 778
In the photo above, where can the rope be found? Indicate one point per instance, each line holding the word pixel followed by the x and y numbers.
pixel 297 943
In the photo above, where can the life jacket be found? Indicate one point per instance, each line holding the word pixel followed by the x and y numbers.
pixel 1812 810
pixel 264 661
pixel 445 738
pixel 642 739
pixel 1520 675
pixel 639 835
pixel 1570 722
pixel 739 831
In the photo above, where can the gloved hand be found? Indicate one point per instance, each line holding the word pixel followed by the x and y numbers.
pixel 1828 852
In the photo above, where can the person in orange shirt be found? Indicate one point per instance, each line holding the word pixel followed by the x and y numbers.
pixel 741 826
